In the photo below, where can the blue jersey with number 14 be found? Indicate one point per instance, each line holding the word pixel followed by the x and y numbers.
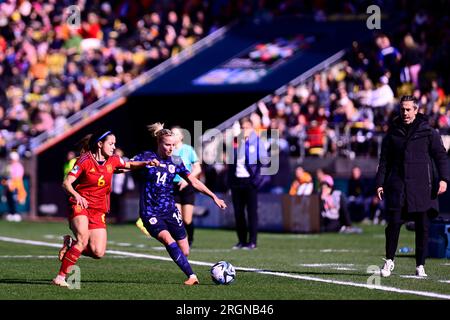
pixel 156 187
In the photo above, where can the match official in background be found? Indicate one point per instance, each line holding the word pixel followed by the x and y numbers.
pixel 405 179
pixel 245 178
pixel 183 192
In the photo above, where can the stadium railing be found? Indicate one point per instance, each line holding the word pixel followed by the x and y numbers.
pixel 83 117
pixel 207 140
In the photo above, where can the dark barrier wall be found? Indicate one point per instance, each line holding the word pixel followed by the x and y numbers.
pixel 276 213
pixel 53 200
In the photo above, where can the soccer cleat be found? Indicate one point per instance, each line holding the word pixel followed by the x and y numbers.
pixel 67 243
pixel 58 281
pixel 387 268
pixel 420 271
pixel 238 245
pixel 192 280
pixel 141 227
pixel 250 246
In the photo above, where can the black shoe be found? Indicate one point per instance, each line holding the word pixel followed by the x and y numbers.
pixel 239 245
pixel 410 226
pixel 250 246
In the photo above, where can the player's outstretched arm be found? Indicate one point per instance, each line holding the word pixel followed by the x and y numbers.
pixel 198 185
pixel 132 165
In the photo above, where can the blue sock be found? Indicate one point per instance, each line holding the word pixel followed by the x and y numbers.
pixel 179 258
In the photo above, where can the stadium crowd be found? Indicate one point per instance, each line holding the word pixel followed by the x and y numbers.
pixel 49 69
pixel 349 106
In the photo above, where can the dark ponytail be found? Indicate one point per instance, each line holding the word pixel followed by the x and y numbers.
pixel 89 142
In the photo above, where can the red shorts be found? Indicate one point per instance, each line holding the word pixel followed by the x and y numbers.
pixel 96 217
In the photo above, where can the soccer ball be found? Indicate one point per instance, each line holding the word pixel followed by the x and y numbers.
pixel 223 273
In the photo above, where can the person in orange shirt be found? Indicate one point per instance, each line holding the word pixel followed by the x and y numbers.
pixel 302 184
pixel 14 187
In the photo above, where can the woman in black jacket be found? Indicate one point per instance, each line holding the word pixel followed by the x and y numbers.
pixel 405 178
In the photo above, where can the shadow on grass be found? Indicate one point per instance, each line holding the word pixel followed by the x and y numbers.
pixel 49 282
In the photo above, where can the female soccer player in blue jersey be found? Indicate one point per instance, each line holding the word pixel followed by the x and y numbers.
pixel 157 208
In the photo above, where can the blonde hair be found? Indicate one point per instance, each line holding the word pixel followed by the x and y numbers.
pixel 157 130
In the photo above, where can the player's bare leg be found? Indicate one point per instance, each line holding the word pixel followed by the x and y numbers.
pixel 184 246
pixel 97 243
pixel 187 211
pixel 79 226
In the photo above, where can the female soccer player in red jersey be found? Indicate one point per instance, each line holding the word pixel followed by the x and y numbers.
pixel 89 199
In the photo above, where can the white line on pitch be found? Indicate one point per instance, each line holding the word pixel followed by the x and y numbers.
pixel 28 257
pixel 273 273
pixel 48 257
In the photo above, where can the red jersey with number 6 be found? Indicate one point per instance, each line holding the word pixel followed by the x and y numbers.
pixel 94 180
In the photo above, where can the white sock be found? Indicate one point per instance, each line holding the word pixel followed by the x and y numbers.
pixel 60 277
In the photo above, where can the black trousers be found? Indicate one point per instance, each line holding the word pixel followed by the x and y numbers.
pixel 11 201
pixel 395 221
pixel 245 196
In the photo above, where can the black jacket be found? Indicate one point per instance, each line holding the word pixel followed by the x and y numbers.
pixel 405 170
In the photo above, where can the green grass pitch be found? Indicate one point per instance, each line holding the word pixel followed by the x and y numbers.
pixel 291 267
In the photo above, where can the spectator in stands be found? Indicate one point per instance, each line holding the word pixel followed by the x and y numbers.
pixel 383 96
pixel 302 184
pixel 358 196
pixel 388 59
pixel 14 186
pixel 116 42
pixel 412 59
pixel 333 209
pixel 320 175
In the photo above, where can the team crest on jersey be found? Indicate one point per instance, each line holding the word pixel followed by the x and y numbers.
pixel 177 160
pixel 153 220
pixel 109 168
pixel 75 169
pixel 171 168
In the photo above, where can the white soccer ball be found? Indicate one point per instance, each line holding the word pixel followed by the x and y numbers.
pixel 223 273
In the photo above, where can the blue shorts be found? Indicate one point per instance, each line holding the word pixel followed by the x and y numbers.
pixel 170 222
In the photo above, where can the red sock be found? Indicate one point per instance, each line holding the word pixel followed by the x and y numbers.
pixel 70 258
pixel 87 251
